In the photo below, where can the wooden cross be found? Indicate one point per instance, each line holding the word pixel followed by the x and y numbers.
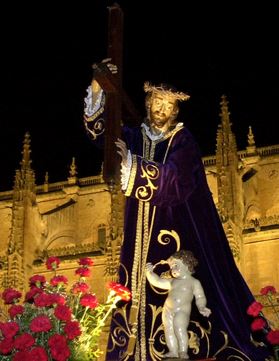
pixel 116 96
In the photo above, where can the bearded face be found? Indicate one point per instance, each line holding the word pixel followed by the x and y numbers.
pixel 163 111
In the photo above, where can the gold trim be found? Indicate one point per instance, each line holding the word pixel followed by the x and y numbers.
pixel 156 354
pixel 137 254
pixel 152 151
pixel 146 146
pixel 142 281
pixel 164 238
pixel 94 116
pixel 132 177
pixel 150 172
pixel 98 127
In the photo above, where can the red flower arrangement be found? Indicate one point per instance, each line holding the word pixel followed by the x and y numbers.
pixel 261 324
pixel 53 324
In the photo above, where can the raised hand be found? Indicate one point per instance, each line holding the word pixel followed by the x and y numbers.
pixel 107 61
pixel 122 150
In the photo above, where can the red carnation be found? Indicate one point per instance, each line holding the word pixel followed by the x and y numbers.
pixel 56 298
pixel 273 337
pixel 29 297
pixel 254 309
pixel 6 346
pixel 86 261
pixel 72 329
pixel 268 289
pixel 37 280
pixel 59 348
pixel 11 295
pixel 57 339
pixel 24 341
pixel 120 290
pixel 83 272
pixel 43 300
pixel 52 263
pixel 9 329
pixel 80 287
pixel 89 300
pixel 38 354
pixel 15 310
pixel 56 280
pixel 22 356
pixel 258 324
pixel 63 312
pixel 40 324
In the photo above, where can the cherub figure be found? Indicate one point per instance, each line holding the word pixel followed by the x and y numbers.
pixel 183 287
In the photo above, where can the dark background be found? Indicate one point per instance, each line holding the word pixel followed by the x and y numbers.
pixel 46 58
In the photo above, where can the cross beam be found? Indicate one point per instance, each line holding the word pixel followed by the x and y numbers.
pixel 116 96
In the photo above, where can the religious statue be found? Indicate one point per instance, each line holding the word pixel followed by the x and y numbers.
pixel 169 207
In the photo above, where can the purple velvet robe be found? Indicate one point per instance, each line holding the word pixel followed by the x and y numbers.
pixel 168 207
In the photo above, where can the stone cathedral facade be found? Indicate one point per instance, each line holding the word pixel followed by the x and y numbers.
pixel 84 216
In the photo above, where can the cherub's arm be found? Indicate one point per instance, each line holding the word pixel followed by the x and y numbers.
pixel 200 299
pixel 156 280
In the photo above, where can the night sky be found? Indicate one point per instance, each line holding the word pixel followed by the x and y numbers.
pixel 46 59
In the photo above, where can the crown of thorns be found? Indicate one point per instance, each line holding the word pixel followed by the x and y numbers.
pixel 165 91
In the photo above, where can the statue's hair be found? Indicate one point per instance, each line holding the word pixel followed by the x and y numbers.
pixel 188 258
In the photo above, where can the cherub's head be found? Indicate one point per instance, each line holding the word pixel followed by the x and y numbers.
pixel 180 258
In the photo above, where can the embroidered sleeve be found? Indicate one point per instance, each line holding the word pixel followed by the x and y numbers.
pixel 93 113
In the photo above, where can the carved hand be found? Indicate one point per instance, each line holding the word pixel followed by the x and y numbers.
pixel 206 312
pixel 122 150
